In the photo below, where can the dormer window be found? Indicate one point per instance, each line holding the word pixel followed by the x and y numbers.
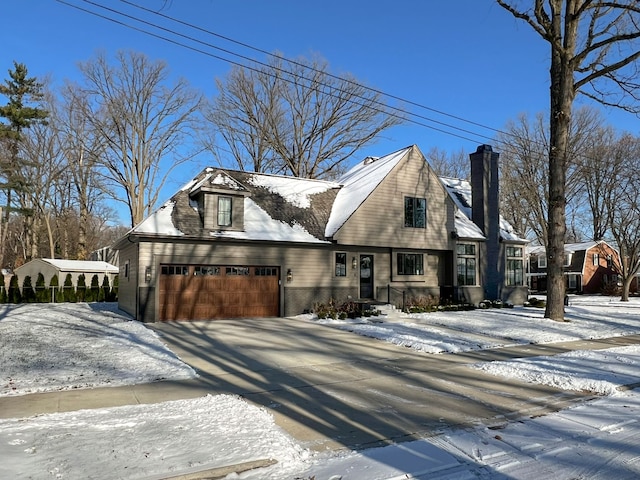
pixel 224 211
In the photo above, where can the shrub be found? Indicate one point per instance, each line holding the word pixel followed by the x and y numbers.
pixel 81 288
pixel 28 293
pixel 113 295
pixel 94 291
pixel 58 296
pixel 105 290
pixel 69 291
pixel 535 302
pixel 14 295
pixel 422 304
pixel 3 290
pixel 43 294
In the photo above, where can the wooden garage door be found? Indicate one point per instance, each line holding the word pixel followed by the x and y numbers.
pixel 202 292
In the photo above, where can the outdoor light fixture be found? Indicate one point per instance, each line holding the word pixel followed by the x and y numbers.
pixel 354 263
pixel 289 275
pixel 147 274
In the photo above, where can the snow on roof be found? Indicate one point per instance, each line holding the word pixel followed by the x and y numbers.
pixel 460 192
pixel 294 190
pixel 568 247
pixel 258 225
pixel 357 184
pixel 159 222
pixel 81 265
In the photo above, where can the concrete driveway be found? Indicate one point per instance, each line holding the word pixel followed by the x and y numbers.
pixel 333 389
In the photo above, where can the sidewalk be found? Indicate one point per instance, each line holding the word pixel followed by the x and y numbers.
pixel 328 388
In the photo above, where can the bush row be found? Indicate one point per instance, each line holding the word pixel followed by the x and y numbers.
pixel 54 292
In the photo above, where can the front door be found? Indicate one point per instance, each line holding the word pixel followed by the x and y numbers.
pixel 366 276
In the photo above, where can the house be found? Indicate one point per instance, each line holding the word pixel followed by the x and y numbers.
pixel 53 266
pixel 243 244
pixel 589 267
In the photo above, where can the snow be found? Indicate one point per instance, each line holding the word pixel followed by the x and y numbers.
pixel 52 347
pixel 294 190
pixel 159 222
pixel 357 184
pixel 81 265
pixel 258 225
pixel 460 192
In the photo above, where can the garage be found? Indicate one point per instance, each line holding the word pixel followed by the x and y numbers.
pixel 207 292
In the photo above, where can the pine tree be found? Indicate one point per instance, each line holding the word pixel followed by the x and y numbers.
pixel 43 294
pixel 113 296
pixel 54 284
pixel 69 290
pixel 105 290
pixel 93 292
pixel 81 288
pixel 21 90
pixel 14 295
pixel 3 290
pixel 28 293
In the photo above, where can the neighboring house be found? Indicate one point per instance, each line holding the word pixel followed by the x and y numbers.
pixel 243 244
pixel 589 267
pixel 53 266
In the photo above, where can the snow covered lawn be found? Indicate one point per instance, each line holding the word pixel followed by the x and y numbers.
pixel 52 347
pixel 55 347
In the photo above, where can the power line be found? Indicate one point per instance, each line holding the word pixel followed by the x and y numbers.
pixel 218 57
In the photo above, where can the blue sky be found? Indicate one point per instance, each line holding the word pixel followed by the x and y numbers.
pixel 466 58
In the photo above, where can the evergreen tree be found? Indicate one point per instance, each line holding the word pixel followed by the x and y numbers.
pixel 21 90
pixel 28 293
pixel 54 284
pixel 113 296
pixel 14 295
pixel 43 294
pixel 69 290
pixel 3 290
pixel 105 290
pixel 93 292
pixel 81 288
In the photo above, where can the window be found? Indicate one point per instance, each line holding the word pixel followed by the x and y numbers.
pixel 341 264
pixel 515 267
pixel 206 270
pixel 410 264
pixel 609 261
pixel 224 211
pixel 266 271
pixel 237 271
pixel 415 212
pixel 596 259
pixel 126 269
pixel 568 257
pixel 542 261
pixel 572 282
pixel 174 270
pixel 466 264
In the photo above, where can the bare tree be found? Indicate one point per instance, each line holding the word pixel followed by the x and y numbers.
pixel 296 117
pixel 143 122
pixel 83 147
pixel 594 51
pixel 621 204
pixel 524 184
pixel 454 165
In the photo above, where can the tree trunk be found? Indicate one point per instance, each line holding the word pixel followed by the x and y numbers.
pixel 562 96
pixel 626 285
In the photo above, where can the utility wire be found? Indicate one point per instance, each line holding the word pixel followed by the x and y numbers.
pixel 270 54
pixel 401 115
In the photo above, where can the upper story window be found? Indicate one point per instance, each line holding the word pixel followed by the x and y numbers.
pixel 609 261
pixel 415 212
pixel 596 259
pixel 514 274
pixel 410 264
pixel 542 261
pixel 341 264
pixel 224 211
pixel 466 254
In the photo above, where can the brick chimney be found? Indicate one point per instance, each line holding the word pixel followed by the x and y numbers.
pixel 485 214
